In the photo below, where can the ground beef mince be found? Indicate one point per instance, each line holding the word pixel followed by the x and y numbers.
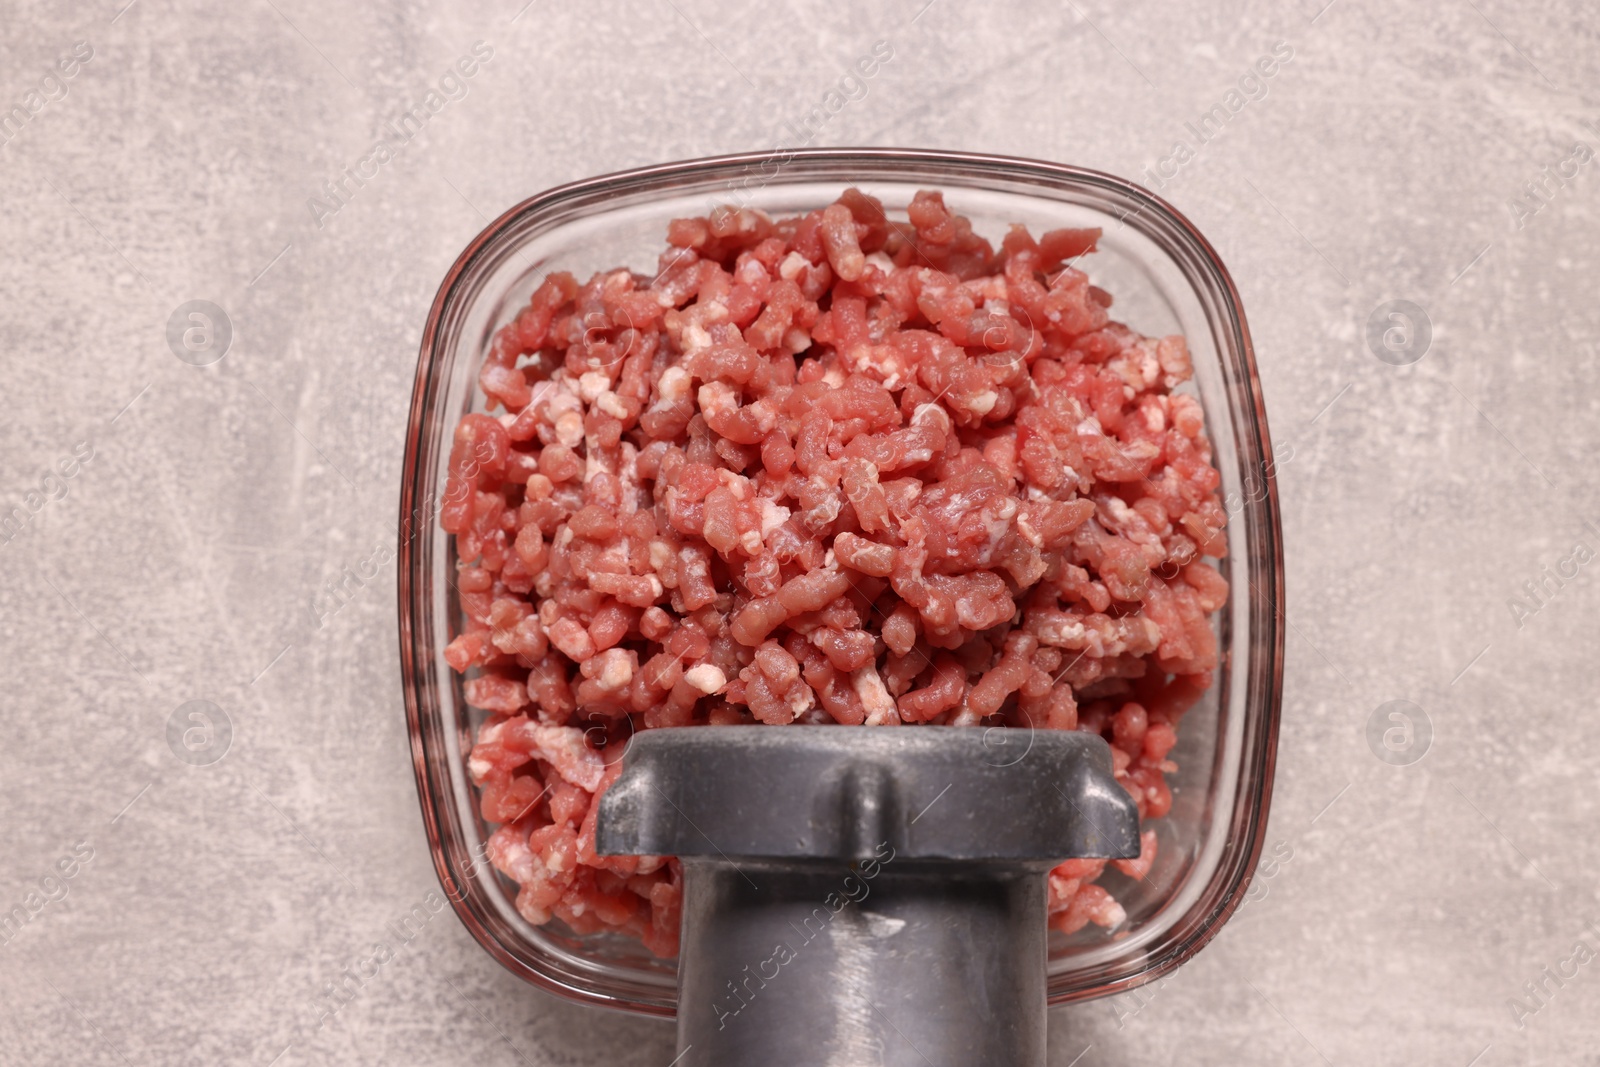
pixel 838 468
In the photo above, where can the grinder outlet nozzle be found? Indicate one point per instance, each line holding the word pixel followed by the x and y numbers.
pixel 865 896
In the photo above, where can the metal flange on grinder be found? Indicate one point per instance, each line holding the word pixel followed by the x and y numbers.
pixel 858 896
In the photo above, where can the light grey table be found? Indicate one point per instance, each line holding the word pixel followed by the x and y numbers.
pixel 1385 160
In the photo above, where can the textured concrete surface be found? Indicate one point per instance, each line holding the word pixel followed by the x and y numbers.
pixel 1388 159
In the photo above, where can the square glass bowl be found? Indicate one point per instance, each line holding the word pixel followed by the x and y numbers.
pixel 1165 278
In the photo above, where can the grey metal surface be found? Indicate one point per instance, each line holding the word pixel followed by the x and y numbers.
pixel 837 792
pixel 814 965
pixel 865 896
pixel 1399 910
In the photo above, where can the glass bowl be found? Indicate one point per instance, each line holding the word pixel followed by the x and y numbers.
pixel 1166 279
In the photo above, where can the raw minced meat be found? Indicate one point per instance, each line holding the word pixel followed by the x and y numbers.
pixel 835 468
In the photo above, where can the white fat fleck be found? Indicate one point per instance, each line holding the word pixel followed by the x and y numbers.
pixel 772 516
pixel 751 272
pixel 766 414
pixel 997 522
pixel 540 392
pixel 874 695
pixel 595 462
pixel 629 474
pixel 828 510
pixel 660 555
pixel 800 699
pixel 1068 633
pixel 833 377
pixel 591 384
pixel 674 384
pixel 479 768
pixel 1118 509
pixel 792 265
pixel 561 381
pixel 1090 427
pixel 1150 368
pixel 617 671
pixel 1154 420
pixel 881 261
pixel 706 677
pixel 611 404
pixel 695 338
pixel 964 716
pixel 1028 532
pixel 569 429
pixel 984 402
pixel 717 398
pixel 882 360
pixel 1142 450
pixel 564 400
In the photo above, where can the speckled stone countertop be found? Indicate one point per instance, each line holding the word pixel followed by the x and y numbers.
pixel 1437 155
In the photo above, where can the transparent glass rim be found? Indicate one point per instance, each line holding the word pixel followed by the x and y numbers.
pixel 1255 529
